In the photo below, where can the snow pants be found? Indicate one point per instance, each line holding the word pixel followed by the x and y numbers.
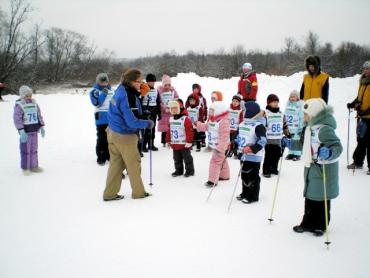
pixel 102 151
pixel 314 214
pixel 218 167
pixel 29 154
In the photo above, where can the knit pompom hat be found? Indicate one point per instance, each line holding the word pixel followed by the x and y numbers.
pixel 314 106
pixel 166 79
pixel 24 90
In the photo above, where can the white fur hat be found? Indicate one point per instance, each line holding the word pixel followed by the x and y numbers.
pixel 24 90
pixel 174 104
pixel 218 107
pixel 314 106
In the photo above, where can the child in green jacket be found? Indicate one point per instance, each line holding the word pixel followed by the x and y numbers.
pixel 321 149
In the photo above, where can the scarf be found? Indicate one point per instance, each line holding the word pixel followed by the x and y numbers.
pixel 306 152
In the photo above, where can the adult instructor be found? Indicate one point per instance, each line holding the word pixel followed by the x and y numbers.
pixel 123 127
pixel 315 82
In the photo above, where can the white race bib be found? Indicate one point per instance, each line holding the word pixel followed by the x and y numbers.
pixel 177 129
pixel 166 97
pixel 274 125
pixel 193 114
pixel 234 119
pixel 213 134
pixel 30 115
pixel 150 99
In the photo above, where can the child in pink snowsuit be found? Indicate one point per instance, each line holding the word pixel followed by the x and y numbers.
pixel 218 129
pixel 28 120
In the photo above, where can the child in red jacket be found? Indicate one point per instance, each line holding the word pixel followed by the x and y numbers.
pixel 218 128
pixel 203 109
pixel 180 138
pixel 236 117
pixel 196 113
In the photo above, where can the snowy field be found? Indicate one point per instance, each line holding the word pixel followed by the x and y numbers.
pixel 55 224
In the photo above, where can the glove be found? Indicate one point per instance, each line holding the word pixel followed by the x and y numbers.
pixel 324 153
pixel 350 105
pixel 247 150
pixel 188 145
pixel 150 124
pixel 105 91
pixel 23 136
pixel 144 89
pixel 42 131
pixel 286 143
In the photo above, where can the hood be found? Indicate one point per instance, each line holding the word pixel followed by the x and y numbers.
pixel 325 117
pixel 195 97
pixel 315 61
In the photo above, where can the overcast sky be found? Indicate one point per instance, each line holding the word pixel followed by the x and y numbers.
pixel 133 28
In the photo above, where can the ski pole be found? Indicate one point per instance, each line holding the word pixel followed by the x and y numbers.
pixel 327 242
pixel 236 184
pixel 276 188
pixel 348 129
pixel 150 159
pixel 210 192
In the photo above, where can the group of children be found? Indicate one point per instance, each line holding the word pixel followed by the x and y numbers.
pixel 243 131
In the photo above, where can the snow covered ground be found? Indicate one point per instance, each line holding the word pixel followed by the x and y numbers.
pixel 55 224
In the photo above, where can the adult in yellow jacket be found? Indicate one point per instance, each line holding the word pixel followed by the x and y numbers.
pixel 362 105
pixel 315 82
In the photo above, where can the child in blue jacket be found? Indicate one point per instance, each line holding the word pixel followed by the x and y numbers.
pixel 100 97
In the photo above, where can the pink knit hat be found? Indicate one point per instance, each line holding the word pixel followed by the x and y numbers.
pixel 166 79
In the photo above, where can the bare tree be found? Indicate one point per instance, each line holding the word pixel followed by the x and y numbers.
pixel 14 46
pixel 311 43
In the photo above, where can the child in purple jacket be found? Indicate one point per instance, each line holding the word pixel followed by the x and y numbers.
pixel 28 120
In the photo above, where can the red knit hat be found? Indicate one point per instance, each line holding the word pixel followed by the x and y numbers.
pixel 271 98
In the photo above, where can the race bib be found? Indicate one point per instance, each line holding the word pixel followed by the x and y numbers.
pixel 213 134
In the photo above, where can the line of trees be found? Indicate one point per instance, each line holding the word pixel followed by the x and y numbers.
pixel 58 55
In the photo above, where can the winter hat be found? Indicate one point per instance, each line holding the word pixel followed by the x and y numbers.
pixel 219 108
pixel 217 95
pixel 247 66
pixel 366 65
pixel 174 104
pixel 24 90
pixel 150 78
pixel 237 97
pixel 271 98
pixel 102 77
pixel 314 106
pixel 294 93
pixel 251 109
pixel 314 61
pixel 131 75
pixel 166 79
